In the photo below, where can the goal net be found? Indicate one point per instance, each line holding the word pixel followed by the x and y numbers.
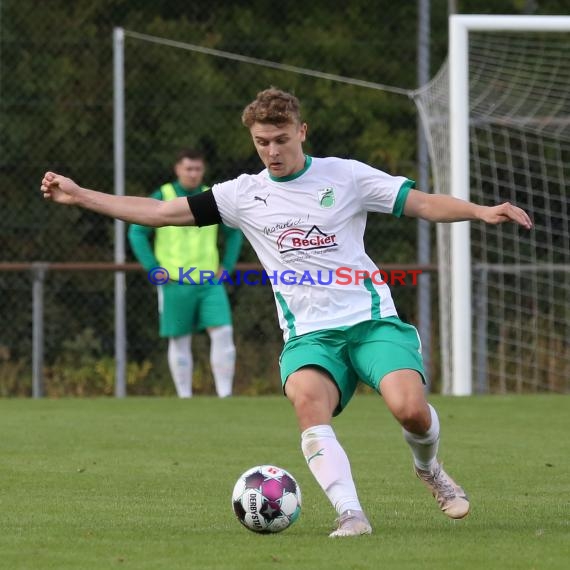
pixel 518 151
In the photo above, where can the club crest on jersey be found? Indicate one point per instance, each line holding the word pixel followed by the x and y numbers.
pixel 326 197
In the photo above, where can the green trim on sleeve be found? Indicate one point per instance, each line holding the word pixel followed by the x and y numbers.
pixel 182 192
pixel 232 247
pixel 400 202
pixel 141 240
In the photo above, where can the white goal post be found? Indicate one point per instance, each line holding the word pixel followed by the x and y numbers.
pixel 461 295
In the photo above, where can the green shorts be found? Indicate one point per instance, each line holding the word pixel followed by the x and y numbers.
pixel 363 352
pixel 187 309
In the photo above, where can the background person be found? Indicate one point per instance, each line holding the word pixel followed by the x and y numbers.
pixel 189 308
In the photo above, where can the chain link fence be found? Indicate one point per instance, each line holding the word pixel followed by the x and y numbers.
pixel 56 107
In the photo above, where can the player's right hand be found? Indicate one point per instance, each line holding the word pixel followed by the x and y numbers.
pixel 59 189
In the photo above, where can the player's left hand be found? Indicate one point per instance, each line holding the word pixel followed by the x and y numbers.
pixel 506 212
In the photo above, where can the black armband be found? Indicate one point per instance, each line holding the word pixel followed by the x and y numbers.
pixel 204 209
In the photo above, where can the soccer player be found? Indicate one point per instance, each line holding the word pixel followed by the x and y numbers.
pixel 188 307
pixel 308 214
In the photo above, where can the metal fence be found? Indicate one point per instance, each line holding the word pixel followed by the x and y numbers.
pixel 77 359
pixel 57 110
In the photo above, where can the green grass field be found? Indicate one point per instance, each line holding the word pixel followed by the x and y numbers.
pixel 146 483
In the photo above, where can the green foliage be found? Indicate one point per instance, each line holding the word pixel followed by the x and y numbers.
pixel 57 98
pixel 81 369
pixel 15 379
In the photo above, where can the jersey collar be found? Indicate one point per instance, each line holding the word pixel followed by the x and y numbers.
pixel 295 175
pixel 181 191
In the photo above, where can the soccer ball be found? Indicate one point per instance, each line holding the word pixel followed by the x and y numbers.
pixel 266 499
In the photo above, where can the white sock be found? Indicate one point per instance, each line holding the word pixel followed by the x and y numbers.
pixel 222 359
pixel 424 447
pixel 181 364
pixel 330 467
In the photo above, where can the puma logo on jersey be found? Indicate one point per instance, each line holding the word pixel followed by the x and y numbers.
pixel 264 200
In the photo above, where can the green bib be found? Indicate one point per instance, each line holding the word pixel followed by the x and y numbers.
pixel 186 246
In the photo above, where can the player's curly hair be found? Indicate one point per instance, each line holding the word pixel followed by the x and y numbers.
pixel 274 107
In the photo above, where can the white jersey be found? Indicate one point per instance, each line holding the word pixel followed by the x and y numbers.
pixel 307 230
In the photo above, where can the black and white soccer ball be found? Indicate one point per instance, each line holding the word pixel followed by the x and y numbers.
pixel 266 499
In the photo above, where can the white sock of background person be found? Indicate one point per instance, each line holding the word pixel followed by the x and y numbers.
pixel 223 359
pixel 181 364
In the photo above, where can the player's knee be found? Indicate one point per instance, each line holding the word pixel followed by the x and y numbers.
pixel 413 417
pixel 311 412
pixel 302 399
pixel 312 399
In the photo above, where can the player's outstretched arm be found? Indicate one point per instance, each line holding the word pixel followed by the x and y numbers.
pixel 132 209
pixel 441 208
